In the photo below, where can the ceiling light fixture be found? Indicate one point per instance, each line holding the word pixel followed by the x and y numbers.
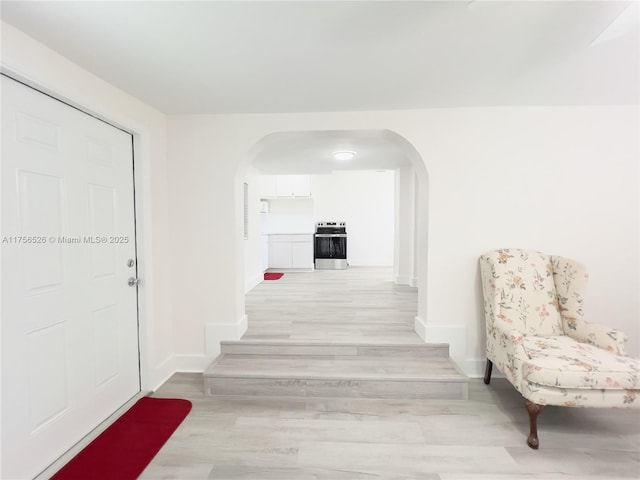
pixel 344 155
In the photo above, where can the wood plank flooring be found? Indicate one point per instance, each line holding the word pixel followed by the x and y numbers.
pixel 328 314
pixel 340 333
pixel 482 438
pixel 357 305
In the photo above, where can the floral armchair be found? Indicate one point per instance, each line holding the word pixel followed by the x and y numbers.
pixel 537 338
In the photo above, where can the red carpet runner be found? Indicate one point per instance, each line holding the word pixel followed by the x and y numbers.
pixel 124 449
pixel 273 276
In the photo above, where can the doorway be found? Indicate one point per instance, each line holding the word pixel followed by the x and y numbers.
pixel 305 153
pixel 70 355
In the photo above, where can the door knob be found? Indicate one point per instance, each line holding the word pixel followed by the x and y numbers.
pixel 133 282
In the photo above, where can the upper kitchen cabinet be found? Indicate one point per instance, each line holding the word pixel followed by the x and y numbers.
pixel 285 186
pixel 293 185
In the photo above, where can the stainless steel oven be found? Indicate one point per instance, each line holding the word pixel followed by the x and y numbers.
pixel 330 246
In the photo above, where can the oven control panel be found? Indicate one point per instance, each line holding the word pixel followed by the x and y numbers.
pixel 331 224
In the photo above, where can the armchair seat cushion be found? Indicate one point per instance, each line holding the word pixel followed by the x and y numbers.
pixel 563 362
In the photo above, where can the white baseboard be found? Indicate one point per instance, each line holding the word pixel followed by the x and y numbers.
pixel 190 363
pixel 161 373
pixel 455 336
pixel 473 367
pixel 216 332
pixel 420 327
pixel 405 280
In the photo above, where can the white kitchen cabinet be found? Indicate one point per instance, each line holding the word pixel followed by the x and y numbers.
pixel 280 252
pixel 293 185
pixel 285 186
pixel 291 251
pixel 302 254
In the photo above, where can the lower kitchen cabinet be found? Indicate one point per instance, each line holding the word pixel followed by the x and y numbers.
pixel 291 251
pixel 280 254
pixel 302 254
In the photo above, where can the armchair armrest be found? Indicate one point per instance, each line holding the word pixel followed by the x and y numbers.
pixel 601 336
pixel 506 352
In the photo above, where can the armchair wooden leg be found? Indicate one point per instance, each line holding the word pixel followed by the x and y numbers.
pixel 534 410
pixel 487 372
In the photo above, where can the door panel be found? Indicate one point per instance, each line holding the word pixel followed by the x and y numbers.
pixel 41 213
pixel 69 319
pixel 50 377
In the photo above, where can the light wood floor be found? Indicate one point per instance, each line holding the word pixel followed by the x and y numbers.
pixel 357 305
pixel 483 438
pixel 334 333
pixel 298 438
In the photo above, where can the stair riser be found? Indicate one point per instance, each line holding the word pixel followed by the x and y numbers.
pixel 347 350
pixel 336 388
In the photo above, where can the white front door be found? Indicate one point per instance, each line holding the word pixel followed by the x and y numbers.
pixel 69 318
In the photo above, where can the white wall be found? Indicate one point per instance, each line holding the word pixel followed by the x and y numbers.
pixel 365 200
pixel 34 63
pixel 560 179
pixel 404 262
pixel 253 244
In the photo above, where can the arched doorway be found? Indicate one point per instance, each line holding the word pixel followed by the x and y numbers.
pixel 308 152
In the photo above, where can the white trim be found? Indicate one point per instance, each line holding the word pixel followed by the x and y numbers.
pixel 162 372
pixel 142 203
pixel 454 335
pixel 420 328
pixel 190 363
pixel 217 332
pixel 403 280
pixel 14 73
pixel 472 367
pixel 414 282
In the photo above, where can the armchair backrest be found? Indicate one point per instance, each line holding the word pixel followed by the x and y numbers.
pixel 519 289
pixel 570 278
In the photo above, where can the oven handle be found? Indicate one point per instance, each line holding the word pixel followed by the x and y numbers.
pixel 331 235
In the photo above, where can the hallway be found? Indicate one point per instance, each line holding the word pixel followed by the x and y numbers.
pixel 357 305
pixel 334 333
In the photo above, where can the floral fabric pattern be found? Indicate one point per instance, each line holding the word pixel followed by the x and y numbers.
pixel 600 336
pixel 555 361
pixel 572 397
pixel 570 279
pixel 537 338
pixel 526 298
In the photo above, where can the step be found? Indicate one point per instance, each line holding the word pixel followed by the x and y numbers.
pixel 335 376
pixel 252 347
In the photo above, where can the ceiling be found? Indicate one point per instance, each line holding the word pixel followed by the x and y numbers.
pixel 216 57
pixel 311 152
pixel 309 56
